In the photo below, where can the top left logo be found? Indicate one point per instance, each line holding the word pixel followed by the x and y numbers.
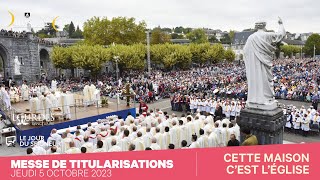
pixel 27 14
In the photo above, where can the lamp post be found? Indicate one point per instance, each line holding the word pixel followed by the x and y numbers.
pixel 148 52
pixel 116 58
pixel 301 52
pixel 314 51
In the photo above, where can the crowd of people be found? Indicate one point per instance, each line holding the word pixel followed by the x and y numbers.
pixel 302 120
pixel 294 79
pixel 154 130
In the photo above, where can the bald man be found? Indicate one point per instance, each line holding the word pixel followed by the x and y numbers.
pixel 73 149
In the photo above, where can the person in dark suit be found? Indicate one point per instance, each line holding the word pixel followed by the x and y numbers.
pixel 233 141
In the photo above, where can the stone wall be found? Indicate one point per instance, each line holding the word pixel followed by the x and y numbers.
pixel 28 51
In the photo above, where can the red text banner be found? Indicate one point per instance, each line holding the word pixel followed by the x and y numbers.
pixel 294 161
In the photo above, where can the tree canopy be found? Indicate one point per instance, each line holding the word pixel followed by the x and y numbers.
pixel 119 30
pixel 290 50
pixel 197 36
pixel 92 57
pixel 312 41
pixel 159 37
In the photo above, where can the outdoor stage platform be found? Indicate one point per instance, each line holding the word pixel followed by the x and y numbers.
pixel 79 116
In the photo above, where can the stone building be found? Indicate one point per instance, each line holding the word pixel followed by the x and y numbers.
pixel 33 54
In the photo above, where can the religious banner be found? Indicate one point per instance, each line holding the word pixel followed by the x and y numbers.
pixel 294 161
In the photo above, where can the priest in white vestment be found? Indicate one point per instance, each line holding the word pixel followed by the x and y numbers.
pixel 99 147
pixel 190 130
pixel 203 139
pixel 25 92
pixel 34 104
pixel 54 139
pixel 147 137
pixel 65 106
pixel 175 132
pixel 45 105
pixel 92 89
pixel 54 100
pixel 97 98
pixel 114 147
pixel 138 142
pixel 86 95
pixel 154 145
pixel 88 145
pixel 6 98
pixel 194 143
pixel 65 142
pixel 125 141
pixel 53 85
pixel 72 149
pixel 78 139
pixel 212 139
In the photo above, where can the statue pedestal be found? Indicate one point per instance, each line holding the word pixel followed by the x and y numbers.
pixel 266 125
pixel 18 79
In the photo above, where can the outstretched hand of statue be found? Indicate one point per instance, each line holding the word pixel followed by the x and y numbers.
pixel 280 20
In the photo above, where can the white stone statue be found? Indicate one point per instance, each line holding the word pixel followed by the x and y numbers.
pixel 258 55
pixel 17 66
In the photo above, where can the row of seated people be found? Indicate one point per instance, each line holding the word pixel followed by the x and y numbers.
pixel 149 131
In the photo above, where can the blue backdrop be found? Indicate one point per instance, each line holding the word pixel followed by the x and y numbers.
pixel 46 130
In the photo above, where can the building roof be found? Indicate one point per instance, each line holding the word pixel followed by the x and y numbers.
pixel 241 37
pixel 180 41
pixel 293 42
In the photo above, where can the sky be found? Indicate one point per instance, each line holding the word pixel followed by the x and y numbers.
pixel 299 16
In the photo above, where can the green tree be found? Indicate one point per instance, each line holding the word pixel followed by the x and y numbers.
pixel 77 33
pixel 168 30
pixel 170 55
pixel 215 53
pixel 71 29
pixel 289 50
pixel 120 30
pixel 312 41
pixel 178 30
pixel 62 58
pixel 229 55
pixel 197 36
pixel 130 57
pixel 48 31
pixel 159 51
pixel 225 39
pixel 90 57
pixel 177 36
pixel 159 37
pixel 198 52
pixel 182 56
pixel 66 28
pixel 213 39
pixel 231 35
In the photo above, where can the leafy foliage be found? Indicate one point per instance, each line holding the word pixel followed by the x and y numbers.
pixel 215 53
pixel 120 30
pixel 90 57
pixel 290 50
pixel 48 31
pixel 130 57
pixel 312 41
pixel 199 52
pixel 197 36
pixel 62 57
pixel 229 55
pixel 159 37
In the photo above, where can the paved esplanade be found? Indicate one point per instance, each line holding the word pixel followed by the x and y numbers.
pixel 164 105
